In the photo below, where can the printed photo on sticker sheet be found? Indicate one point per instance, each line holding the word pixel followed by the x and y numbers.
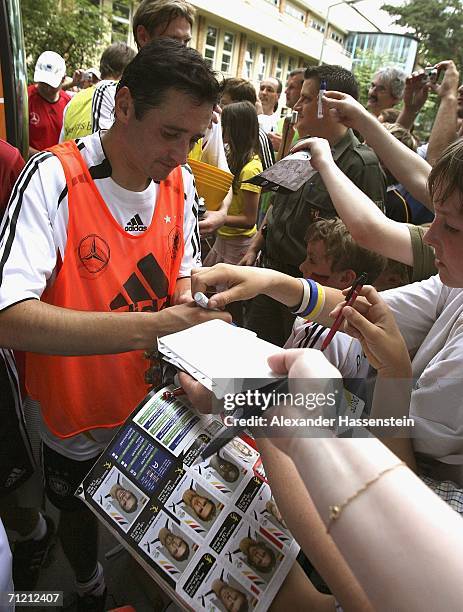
pixel 268 516
pixel 168 546
pixel 243 452
pixel 221 473
pixel 254 556
pixel 120 499
pixel 194 506
pixel 225 594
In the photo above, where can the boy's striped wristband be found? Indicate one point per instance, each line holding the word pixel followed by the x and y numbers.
pixel 313 299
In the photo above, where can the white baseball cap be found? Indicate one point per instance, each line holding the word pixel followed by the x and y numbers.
pixel 50 68
pixel 95 72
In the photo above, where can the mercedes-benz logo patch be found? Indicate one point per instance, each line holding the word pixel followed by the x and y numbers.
pixel 94 253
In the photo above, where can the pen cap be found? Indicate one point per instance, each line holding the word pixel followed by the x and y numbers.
pixel 323 85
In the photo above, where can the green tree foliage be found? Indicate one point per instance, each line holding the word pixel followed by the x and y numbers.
pixel 366 63
pixel 75 29
pixel 438 25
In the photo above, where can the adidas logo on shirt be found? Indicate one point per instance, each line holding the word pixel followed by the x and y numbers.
pixel 135 225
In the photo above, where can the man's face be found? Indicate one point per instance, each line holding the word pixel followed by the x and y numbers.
pixel 227 470
pixel 293 89
pixel 268 95
pixel 317 266
pixel 307 106
pixel 178 29
pixel 126 499
pixel 260 556
pixel 225 100
pixel 48 92
pixel 231 598
pixel 176 546
pixel 162 139
pixel 460 102
pixel 445 235
pixel 202 506
pixel 380 96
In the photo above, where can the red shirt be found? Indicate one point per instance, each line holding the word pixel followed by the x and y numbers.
pixel 11 164
pixel 45 118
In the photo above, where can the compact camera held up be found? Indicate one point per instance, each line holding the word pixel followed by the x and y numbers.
pixel 430 74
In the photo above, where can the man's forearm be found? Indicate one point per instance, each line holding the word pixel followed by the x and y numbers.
pixel 35 326
pixel 407 118
pixel 38 327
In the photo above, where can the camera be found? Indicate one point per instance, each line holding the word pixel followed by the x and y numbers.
pixel 430 74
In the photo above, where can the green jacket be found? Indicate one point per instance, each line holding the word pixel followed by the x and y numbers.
pixel 291 215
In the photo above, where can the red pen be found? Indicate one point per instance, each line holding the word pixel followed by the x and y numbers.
pixel 174 393
pixel 350 299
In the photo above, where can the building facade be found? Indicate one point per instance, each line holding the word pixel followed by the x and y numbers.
pixel 256 39
pixel 253 39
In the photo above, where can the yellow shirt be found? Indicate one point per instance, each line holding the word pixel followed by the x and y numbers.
pixel 251 169
pixel 78 115
pixel 196 151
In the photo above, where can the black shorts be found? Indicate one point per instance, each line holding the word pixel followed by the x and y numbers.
pixel 62 476
pixel 16 461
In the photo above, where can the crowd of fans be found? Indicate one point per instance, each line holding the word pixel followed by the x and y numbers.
pixel 100 254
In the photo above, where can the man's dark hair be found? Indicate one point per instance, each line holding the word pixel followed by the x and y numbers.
pixel 297 71
pixel 114 59
pixel 153 13
pixel 165 64
pixel 336 78
pixel 239 90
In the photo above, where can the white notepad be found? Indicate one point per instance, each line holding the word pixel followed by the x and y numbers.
pixel 223 357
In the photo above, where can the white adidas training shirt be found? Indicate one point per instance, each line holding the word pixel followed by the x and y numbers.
pixel 34 232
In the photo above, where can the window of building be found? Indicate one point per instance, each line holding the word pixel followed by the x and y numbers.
pixel 261 64
pixel 295 11
pixel 210 48
pixel 281 61
pixel 317 25
pixel 249 60
pixel 121 20
pixel 292 65
pixel 337 37
pixel 227 52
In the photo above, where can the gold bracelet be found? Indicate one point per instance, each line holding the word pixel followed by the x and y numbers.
pixel 336 510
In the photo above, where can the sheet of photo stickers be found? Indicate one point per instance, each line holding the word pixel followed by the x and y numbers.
pixel 210 534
